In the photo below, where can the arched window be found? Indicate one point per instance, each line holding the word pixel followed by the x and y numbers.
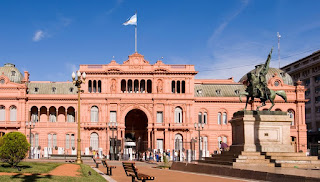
pixel 173 87
pixel 129 86
pixel 2 113
pixel 94 114
pixel 178 142
pixel 149 86
pixel 142 86
pixel 34 114
pixel 219 117
pixel 278 110
pixel 178 86
pixel 123 86
pixel 178 115
pixel 183 87
pixel 94 141
pixel 224 118
pixel 200 117
pixel 90 86
pixel 99 86
pixel 136 86
pixel 94 86
pixel 70 114
pixel 13 113
pixel 205 118
pixel 52 114
pixel 291 114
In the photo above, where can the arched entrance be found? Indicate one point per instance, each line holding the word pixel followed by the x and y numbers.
pixel 136 123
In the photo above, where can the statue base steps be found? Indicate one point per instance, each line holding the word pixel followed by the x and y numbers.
pixel 262 138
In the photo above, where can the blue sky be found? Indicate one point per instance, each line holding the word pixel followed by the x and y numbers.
pixel 221 38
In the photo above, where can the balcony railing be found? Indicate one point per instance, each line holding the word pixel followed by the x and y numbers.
pixel 10 124
pixel 91 125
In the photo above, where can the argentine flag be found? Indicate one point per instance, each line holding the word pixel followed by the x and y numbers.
pixel 131 21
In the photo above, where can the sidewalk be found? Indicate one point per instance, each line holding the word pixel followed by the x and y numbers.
pixel 119 175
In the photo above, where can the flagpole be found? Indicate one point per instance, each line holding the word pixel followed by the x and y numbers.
pixel 136 39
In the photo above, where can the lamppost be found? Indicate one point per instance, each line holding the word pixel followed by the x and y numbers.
pixel 113 126
pixel 198 127
pixel 30 126
pixel 77 82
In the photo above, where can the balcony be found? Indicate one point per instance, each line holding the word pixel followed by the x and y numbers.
pixel 10 124
pixel 180 126
pixel 93 125
pixel 55 124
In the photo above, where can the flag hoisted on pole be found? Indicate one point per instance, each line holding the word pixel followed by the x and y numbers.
pixel 133 20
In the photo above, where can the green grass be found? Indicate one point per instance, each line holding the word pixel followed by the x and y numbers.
pixel 29 167
pixel 84 170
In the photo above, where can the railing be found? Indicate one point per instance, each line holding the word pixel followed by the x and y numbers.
pixel 94 124
pixel 179 125
pixel 10 124
pixel 54 124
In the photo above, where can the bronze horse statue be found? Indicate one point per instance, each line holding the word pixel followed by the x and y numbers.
pixel 252 92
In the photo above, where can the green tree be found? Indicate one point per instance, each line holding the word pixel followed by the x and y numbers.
pixel 13 148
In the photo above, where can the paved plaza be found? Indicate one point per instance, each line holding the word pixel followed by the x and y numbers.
pixel 118 174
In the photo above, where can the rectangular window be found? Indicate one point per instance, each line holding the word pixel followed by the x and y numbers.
pixel 67 141
pixel 160 144
pixel 205 118
pixel 224 119
pixel 2 113
pixel 49 140
pixel 113 116
pixel 54 140
pixel 200 117
pixel 159 117
pixel 72 140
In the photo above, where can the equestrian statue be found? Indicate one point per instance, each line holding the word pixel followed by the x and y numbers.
pixel 257 86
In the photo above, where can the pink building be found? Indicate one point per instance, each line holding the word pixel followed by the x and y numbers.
pixel 154 106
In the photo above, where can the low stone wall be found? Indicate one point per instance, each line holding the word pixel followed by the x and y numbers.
pixel 239 173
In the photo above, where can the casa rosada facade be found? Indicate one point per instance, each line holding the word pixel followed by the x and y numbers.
pixel 143 106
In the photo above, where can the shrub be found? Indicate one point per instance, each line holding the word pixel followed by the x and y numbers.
pixel 13 148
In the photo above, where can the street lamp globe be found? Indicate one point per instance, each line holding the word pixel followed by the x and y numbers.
pixel 73 75
pixel 84 75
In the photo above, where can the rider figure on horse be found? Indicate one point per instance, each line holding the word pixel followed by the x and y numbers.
pixel 258 79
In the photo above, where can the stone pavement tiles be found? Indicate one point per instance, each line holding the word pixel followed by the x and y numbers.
pixel 118 174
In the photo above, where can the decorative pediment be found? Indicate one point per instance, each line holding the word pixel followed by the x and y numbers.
pixel 136 59
pixel 113 63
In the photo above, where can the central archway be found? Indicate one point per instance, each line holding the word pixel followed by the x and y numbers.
pixel 136 123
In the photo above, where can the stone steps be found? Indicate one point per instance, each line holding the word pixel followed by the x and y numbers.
pixel 294 165
pixel 239 164
pixel 253 161
pixel 311 158
pixel 229 163
pixel 284 154
pixel 251 157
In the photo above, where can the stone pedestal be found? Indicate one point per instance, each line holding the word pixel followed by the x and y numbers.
pixel 261 131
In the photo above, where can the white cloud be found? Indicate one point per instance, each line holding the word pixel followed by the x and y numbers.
pixel 38 35
pixel 222 26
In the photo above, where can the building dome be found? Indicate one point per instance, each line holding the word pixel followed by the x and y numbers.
pixel 286 78
pixel 10 71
